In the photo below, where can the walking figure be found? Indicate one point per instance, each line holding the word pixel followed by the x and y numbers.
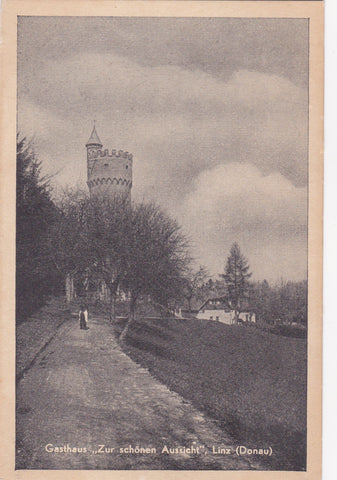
pixel 86 316
pixel 82 317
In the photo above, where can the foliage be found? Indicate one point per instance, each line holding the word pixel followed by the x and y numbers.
pixel 260 295
pixel 298 331
pixel 194 285
pixel 157 254
pixel 212 289
pixel 281 303
pixel 136 248
pixel 285 302
pixel 35 214
pixel 236 277
pixel 68 240
pixel 157 257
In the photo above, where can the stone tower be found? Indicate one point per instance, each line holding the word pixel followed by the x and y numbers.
pixel 108 175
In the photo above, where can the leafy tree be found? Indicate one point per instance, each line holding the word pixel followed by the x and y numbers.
pixel 236 278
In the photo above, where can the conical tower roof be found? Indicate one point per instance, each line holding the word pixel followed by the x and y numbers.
pixel 94 139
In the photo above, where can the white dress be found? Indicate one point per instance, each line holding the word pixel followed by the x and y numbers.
pixel 86 317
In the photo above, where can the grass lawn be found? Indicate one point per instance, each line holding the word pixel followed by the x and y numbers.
pixel 33 334
pixel 252 382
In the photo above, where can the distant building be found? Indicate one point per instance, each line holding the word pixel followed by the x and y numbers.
pixel 218 310
pixel 108 174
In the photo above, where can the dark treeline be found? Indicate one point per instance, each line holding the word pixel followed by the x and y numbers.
pixel 285 301
pixel 36 277
pixel 133 248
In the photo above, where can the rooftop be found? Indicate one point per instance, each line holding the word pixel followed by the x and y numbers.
pixel 94 139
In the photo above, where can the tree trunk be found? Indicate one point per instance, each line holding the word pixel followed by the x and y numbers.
pixel 237 314
pixel 113 287
pixel 189 301
pixel 112 316
pixel 130 319
pixel 69 287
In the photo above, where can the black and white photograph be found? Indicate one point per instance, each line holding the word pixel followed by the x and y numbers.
pixel 161 282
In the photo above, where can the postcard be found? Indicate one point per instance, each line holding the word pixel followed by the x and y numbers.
pixel 161 216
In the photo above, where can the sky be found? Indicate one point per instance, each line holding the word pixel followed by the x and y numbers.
pixel 214 110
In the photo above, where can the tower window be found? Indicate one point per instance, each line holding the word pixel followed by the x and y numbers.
pixel 126 166
pixel 106 164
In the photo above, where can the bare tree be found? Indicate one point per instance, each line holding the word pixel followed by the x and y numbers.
pixel 157 254
pixel 137 248
pixel 108 226
pixel 68 238
pixel 193 284
pixel 90 239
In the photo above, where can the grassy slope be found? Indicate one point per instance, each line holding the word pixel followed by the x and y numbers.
pixel 35 331
pixel 252 382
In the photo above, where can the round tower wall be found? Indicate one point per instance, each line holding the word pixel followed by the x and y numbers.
pixel 110 174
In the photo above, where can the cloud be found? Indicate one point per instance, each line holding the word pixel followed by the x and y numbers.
pixel 231 145
pixel 219 46
pixel 189 117
pixel 266 215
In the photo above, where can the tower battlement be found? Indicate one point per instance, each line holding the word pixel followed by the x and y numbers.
pixel 108 174
pixel 114 154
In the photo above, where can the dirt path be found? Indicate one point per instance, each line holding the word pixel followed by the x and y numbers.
pixel 84 393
